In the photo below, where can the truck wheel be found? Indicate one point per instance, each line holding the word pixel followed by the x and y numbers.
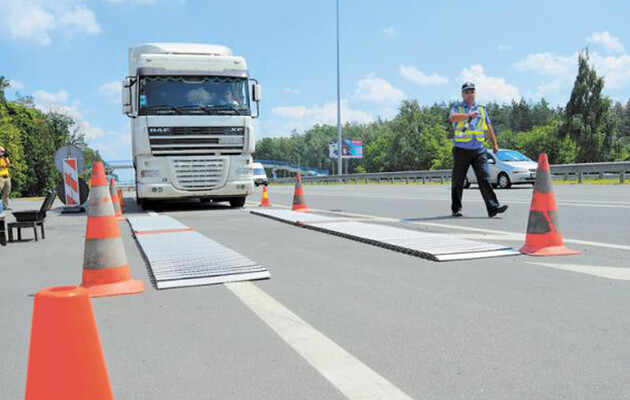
pixel 145 204
pixel 236 202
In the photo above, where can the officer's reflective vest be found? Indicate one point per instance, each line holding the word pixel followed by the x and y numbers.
pixel 465 133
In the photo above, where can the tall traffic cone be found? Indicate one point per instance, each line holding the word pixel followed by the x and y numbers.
pixel 65 358
pixel 105 268
pixel 298 196
pixel 265 198
pixel 543 234
pixel 121 199
pixel 115 200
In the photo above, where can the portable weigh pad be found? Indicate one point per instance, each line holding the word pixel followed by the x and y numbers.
pixel 432 246
pixel 178 256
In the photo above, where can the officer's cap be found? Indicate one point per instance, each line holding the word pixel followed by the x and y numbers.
pixel 468 86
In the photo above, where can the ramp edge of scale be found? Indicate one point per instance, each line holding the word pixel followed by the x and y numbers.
pixel 193 280
pixel 466 255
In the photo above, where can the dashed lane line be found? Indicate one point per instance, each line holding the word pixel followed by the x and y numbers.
pixel 348 374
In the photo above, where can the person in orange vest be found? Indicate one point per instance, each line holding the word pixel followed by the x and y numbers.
pixel 5 180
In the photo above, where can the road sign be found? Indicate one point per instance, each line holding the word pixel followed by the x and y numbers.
pixel 71 181
pixel 351 148
pixel 69 151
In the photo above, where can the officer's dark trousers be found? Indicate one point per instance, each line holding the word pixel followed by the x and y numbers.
pixel 462 160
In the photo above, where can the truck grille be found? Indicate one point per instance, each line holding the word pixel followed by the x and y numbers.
pixel 200 173
pixel 197 140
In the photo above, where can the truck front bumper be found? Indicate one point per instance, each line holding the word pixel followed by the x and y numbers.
pixel 166 191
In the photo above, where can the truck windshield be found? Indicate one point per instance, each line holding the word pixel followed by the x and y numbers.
pixel 193 95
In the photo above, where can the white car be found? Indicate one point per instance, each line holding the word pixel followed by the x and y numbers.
pixel 260 177
pixel 507 168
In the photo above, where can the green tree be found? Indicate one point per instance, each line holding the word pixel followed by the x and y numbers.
pixel 588 118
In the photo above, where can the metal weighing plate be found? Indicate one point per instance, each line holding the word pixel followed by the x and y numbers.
pixel 188 258
pixel 432 246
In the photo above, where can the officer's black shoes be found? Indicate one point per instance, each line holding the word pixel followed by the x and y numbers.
pixel 498 210
pixel 456 214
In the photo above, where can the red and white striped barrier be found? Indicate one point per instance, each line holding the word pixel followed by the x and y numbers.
pixel 71 181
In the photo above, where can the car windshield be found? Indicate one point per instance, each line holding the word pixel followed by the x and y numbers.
pixel 259 171
pixel 511 155
pixel 198 95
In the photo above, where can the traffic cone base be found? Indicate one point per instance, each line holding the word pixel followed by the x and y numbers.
pixel 548 251
pixel 65 356
pixel 116 289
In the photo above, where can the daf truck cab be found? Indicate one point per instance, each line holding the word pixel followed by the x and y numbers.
pixel 192 122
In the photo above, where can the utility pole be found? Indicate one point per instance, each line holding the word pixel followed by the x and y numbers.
pixel 339 143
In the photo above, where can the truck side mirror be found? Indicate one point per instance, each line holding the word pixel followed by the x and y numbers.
pixel 256 92
pixel 127 107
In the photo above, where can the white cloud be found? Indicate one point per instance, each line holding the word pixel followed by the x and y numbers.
pixel 36 20
pixel 418 77
pixel 302 118
pixel 549 88
pixel 610 43
pixel 505 47
pixel 489 88
pixel 614 69
pixel 291 90
pixel 58 102
pixel 374 89
pixel 110 89
pixel 389 31
pixel 549 64
pixel 16 85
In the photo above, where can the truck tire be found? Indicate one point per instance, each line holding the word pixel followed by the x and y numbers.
pixel 145 204
pixel 236 202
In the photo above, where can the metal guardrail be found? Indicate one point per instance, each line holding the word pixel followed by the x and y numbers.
pixel 560 171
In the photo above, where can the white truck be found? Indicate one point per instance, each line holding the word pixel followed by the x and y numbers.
pixel 192 126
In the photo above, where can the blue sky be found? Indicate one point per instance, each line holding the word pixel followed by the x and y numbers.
pixel 72 54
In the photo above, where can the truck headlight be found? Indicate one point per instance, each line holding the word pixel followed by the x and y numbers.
pixel 244 171
pixel 150 173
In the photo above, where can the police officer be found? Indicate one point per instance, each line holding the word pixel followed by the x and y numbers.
pixel 471 123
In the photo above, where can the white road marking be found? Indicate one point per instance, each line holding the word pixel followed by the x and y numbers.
pixel 354 379
pixel 622 274
pixel 153 213
pixel 512 235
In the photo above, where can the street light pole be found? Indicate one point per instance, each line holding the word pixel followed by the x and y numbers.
pixel 339 144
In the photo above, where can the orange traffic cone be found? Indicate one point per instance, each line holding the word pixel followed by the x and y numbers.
pixel 65 358
pixel 105 268
pixel 298 197
pixel 120 198
pixel 115 200
pixel 543 235
pixel 265 198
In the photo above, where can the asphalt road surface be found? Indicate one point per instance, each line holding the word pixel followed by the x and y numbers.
pixel 341 319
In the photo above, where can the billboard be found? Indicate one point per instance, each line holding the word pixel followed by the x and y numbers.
pixel 351 149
